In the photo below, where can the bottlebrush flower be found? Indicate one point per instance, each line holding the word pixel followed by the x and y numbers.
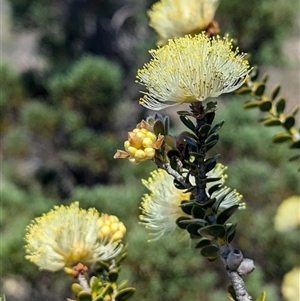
pixel 65 236
pixel 176 18
pixel 191 69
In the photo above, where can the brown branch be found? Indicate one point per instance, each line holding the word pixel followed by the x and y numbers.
pixel 171 172
pixel 237 281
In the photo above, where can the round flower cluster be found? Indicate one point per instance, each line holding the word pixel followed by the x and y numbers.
pixel 111 229
pixel 141 144
pixel 66 236
pixel 191 69
pixel 173 18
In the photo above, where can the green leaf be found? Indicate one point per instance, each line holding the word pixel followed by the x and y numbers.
pixel 216 205
pixel 187 122
pixel 204 129
pixel 190 141
pixel 260 89
pixel 202 243
pixel 158 127
pixel 289 122
pixel 178 185
pixel 198 212
pixel 125 294
pixel 210 117
pixel 212 138
pixel 76 288
pixel 197 221
pixel 216 127
pixel 295 110
pixel 275 92
pixel 94 283
pixel 295 144
pixel 262 296
pixel 210 252
pixel 230 232
pixel 264 78
pixel 212 231
pixel 280 106
pixel 226 214
pixel 271 121
pixel 173 153
pixel 296 157
pixel 281 137
pixel 254 73
pixel 85 296
pixel 265 106
pixel 207 146
pixel 214 188
pixel 113 275
pixel 193 229
pixel 243 91
pixel 211 106
pixel 211 163
pixel 207 204
pixel 253 103
pixel 180 224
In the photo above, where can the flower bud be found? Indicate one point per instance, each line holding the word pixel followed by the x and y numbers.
pixel 111 228
pixel 246 267
pixel 234 259
pixel 141 144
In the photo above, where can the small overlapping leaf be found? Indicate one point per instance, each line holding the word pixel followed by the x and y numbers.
pixel 202 243
pixel 260 89
pixel 210 252
pixel 213 231
pixel 265 106
pixel 193 230
pixel 272 121
pixel 226 214
pixel 180 220
pixel 211 163
pixel 289 122
pixel 280 106
pixel 198 212
pixel 253 103
pixel 204 130
pixel 187 122
pixel 85 296
pixel 275 92
pixel 230 232
pixel 216 127
pixel 281 137
pixel 125 294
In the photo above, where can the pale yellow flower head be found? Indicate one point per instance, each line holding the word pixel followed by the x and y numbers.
pixel 65 236
pixel 161 207
pixel 288 214
pixel 176 18
pixel 291 285
pixel 191 69
pixel 232 197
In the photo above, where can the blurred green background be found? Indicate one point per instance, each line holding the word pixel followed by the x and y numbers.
pixel 68 98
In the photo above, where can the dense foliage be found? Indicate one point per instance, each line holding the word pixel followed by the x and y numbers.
pixel 61 126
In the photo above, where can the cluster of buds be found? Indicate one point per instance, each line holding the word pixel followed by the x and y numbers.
pixel 111 228
pixel 141 144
